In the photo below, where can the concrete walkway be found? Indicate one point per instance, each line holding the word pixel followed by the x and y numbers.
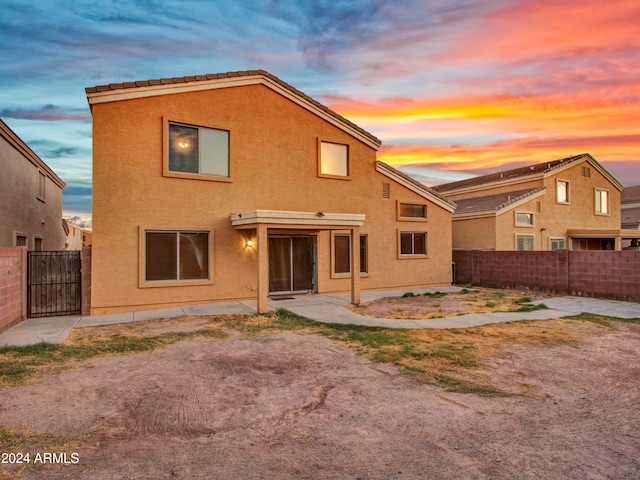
pixel 327 308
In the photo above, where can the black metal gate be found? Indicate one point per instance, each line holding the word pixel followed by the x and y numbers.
pixel 54 283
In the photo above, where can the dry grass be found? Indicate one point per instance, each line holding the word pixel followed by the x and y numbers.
pixel 439 305
pixel 453 358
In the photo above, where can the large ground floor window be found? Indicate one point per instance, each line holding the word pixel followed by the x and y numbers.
pixel 176 255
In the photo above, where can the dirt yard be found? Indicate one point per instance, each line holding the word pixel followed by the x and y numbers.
pixel 297 405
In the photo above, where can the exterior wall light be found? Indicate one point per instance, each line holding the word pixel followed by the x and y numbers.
pixel 249 243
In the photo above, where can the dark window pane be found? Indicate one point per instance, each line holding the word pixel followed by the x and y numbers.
pixel 183 149
pixel 161 256
pixel 364 262
pixel 406 247
pixel 419 244
pixel 413 210
pixel 342 254
pixel 194 255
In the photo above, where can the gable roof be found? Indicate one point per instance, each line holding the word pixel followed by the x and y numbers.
pixel 630 195
pixel 523 174
pixel 492 205
pixel 114 92
pixel 16 142
pixel 415 186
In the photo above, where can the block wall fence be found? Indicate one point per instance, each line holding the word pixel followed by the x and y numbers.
pixel 605 274
pixel 13 286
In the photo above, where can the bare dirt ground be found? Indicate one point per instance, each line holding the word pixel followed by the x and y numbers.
pixel 441 305
pixel 290 405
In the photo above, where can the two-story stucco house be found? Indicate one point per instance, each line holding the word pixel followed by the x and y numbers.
pixel 571 203
pixel 239 186
pixel 30 197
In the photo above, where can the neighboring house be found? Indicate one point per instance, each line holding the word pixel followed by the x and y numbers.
pixel 239 186
pixel 630 214
pixel 74 235
pixel 87 237
pixel 572 203
pixel 30 197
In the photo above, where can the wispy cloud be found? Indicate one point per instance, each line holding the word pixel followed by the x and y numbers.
pixel 50 113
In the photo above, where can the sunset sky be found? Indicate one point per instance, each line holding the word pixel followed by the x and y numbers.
pixel 453 88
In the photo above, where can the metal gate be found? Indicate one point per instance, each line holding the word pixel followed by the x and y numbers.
pixel 54 283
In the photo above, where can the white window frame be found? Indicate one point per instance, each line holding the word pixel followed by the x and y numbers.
pixel 327 148
pixel 167 172
pixel 525 235
pixel 413 233
pixel 568 192
pixel 528 224
pixel 597 193
pixel 557 239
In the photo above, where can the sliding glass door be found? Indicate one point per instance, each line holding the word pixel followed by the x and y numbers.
pixel 292 263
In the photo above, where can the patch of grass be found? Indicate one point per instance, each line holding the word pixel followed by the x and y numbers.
pixel 17 363
pixel 602 320
pixel 522 300
pixel 466 291
pixel 14 440
pixel 434 295
pixel 531 308
pixel 408 295
pixel 490 304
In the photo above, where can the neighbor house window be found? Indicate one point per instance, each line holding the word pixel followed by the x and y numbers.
pixel 176 255
pixel 524 242
pixel 21 240
pixel 412 211
pixel 334 159
pixel 602 202
pixel 562 191
pixel 42 184
pixel 37 244
pixel 198 150
pixel 413 243
pixel 524 219
pixel 342 253
pixel 557 243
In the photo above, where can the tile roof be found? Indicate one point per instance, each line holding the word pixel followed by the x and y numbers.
pixel 493 202
pixel 225 75
pixel 522 172
pixel 630 195
pixel 630 217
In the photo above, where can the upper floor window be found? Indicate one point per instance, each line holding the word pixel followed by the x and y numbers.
pixel 602 202
pixel 524 219
pixel 198 150
pixel 412 211
pixel 562 191
pixel 334 159
pixel 42 184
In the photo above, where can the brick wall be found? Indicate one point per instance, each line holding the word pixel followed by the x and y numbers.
pixel 607 274
pixel 13 290
pixel 86 281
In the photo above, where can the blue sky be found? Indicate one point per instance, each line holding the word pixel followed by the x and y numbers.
pixel 453 88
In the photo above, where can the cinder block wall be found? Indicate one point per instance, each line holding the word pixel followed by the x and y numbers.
pixel 13 290
pixel 607 274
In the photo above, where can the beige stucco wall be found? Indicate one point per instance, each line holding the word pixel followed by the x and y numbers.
pixel 22 211
pixel 273 165
pixel 555 218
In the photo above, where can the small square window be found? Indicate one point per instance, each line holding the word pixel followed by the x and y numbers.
pixel 525 242
pixel 524 219
pixel 602 202
pixel 21 240
pixel 557 243
pixel 562 191
pixel 198 150
pixel 334 159
pixel 413 243
pixel 412 210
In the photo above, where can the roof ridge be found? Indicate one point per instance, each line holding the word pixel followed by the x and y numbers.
pixel 240 73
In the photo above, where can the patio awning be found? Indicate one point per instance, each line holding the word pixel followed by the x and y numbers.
pixel 290 219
